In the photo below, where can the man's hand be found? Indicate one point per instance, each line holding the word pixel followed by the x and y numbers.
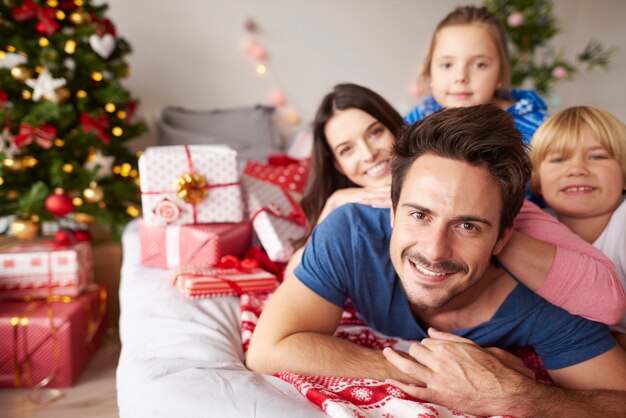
pixel 460 375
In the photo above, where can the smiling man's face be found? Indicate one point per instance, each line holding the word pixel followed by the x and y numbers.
pixel 445 229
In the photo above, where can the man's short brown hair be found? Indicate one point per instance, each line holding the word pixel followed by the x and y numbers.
pixel 483 136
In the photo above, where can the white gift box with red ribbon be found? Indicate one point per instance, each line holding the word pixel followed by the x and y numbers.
pixel 190 184
pixel 216 281
pixel 276 217
pixel 41 269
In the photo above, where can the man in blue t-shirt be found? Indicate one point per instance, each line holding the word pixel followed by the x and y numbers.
pixel 424 271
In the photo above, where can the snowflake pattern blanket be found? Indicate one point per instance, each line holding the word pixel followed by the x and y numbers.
pixel 367 398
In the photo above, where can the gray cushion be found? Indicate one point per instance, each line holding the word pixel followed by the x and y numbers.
pixel 250 130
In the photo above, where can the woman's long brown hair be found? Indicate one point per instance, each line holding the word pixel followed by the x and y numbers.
pixel 324 179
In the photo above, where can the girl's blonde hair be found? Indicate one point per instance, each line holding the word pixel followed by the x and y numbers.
pixel 562 132
pixel 467 15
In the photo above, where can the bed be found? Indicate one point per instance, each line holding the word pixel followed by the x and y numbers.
pixel 183 358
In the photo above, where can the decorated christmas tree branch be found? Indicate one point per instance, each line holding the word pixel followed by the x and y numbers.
pixel 65 117
pixel 530 25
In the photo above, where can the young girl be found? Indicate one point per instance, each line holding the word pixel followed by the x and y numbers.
pixel 579 160
pixel 468 63
pixel 353 133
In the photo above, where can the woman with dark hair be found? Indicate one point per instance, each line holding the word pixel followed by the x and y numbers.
pixel 353 134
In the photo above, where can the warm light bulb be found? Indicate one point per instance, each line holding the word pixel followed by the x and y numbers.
pixel 68 168
pixel 96 76
pixel 52 3
pixel 125 170
pixel 109 107
pixel 77 201
pixel 43 42
pixel 11 48
pixel 132 211
pixel 261 69
pixel 60 15
pixel 59 142
pixel 117 131
pixel 81 94
pixel 26 95
pixel 70 46
pixel 121 114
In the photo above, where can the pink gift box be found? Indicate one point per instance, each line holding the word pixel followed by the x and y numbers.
pixel 174 246
pixel 42 268
pixel 161 167
pixel 272 196
pixel 50 339
pixel 214 281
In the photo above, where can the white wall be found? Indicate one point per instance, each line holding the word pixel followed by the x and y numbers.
pixel 187 52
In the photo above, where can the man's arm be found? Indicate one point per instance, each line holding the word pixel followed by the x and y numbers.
pixel 562 268
pixel 295 333
pixel 461 375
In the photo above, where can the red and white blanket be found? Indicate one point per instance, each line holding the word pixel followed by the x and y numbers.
pixel 345 397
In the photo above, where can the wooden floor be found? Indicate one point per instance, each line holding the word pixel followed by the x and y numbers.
pixel 92 396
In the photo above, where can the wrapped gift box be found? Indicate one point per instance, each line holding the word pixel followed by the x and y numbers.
pixel 282 171
pixel 175 246
pixel 52 338
pixel 215 281
pixel 272 196
pixel 195 184
pixel 41 268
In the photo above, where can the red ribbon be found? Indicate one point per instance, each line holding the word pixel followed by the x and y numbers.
pixel 296 215
pixel 99 125
pixel 46 15
pixel 25 11
pixel 47 22
pixel 231 262
pixel 43 135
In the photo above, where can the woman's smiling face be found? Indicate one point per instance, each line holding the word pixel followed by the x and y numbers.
pixel 361 146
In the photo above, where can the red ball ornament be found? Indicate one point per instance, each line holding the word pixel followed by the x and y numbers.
pixel 82 236
pixel 59 204
pixel 63 237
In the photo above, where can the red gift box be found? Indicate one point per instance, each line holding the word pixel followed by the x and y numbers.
pixel 175 246
pixel 50 339
pixel 272 195
pixel 40 269
pixel 216 281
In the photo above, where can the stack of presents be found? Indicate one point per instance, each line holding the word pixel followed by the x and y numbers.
pixel 220 226
pixel 220 231
pixel 52 314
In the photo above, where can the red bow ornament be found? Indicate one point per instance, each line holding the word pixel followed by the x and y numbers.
pixel 43 135
pixel 231 262
pixel 46 15
pixel 99 125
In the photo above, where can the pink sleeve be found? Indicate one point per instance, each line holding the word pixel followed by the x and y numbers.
pixel 582 280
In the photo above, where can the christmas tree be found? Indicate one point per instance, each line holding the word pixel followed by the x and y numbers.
pixel 530 26
pixel 65 118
